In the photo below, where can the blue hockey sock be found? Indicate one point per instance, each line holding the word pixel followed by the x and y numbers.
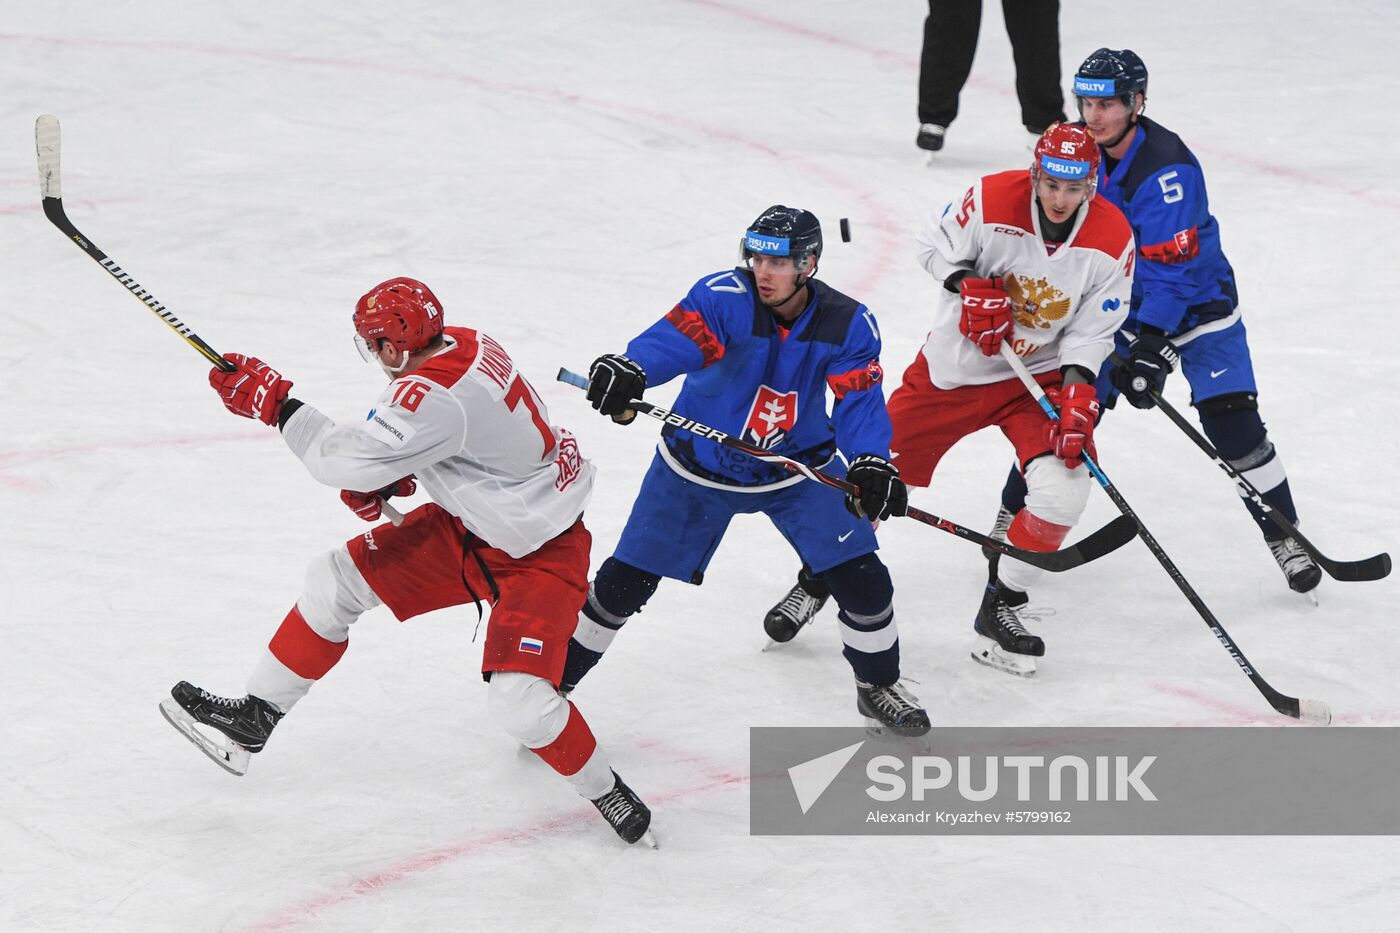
pixel 618 591
pixel 1013 494
pixel 1239 436
pixel 862 588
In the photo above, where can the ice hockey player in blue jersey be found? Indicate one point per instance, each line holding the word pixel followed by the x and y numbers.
pixel 759 347
pixel 1185 308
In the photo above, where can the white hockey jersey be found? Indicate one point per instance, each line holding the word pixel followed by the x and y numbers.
pixel 1066 305
pixel 469 426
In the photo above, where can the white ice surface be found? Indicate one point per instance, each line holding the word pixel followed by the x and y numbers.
pixel 560 173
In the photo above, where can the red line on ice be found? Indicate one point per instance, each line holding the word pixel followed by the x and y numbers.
pixel 78 450
pixel 305 912
pixel 1007 89
pixel 888 235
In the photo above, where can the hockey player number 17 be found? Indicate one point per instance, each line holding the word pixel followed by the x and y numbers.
pixel 519 392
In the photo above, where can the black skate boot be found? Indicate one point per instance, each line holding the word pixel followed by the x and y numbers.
pixel 797 608
pixel 930 136
pixel 891 709
pixel 244 723
pixel 1297 565
pixel 626 813
pixel 1003 642
pixel 999 529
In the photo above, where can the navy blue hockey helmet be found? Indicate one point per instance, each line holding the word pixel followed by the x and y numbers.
pixel 1112 73
pixel 784 231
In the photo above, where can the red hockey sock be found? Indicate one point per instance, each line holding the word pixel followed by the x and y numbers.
pixel 304 653
pixel 572 749
pixel 1032 533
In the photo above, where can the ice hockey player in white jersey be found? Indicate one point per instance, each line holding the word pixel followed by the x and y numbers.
pixel 504 527
pixel 1033 259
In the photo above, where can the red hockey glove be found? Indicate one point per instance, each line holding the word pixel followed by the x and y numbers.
pixel 252 389
pixel 986 313
pixel 1073 435
pixel 370 505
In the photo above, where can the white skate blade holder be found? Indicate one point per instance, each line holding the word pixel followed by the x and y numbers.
pixel 993 655
pixel 223 751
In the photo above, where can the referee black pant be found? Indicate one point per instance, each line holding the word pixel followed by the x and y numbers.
pixel 950 39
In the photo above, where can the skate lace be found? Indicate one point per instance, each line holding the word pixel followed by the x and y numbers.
pixel 1008 619
pixel 893 699
pixel 1034 613
pixel 1290 556
pixel 225 702
pixel 798 604
pixel 1002 524
pixel 614 806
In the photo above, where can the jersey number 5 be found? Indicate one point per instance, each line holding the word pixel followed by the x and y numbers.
pixel 520 391
pixel 1171 193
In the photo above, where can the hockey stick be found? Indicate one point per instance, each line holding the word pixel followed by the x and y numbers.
pixel 46 145
pixel 46 142
pixel 1313 711
pixel 1370 568
pixel 1108 538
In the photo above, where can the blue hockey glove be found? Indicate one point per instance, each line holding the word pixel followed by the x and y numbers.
pixel 880 491
pixel 1151 358
pixel 613 382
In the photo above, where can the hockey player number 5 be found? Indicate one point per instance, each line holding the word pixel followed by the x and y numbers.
pixel 519 392
pixel 1171 191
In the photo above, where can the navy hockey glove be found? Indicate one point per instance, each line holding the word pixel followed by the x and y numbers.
pixel 880 491
pixel 1151 358
pixel 613 382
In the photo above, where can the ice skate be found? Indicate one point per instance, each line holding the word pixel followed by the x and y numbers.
pixel 626 813
pixel 242 725
pixel 891 710
pixel 797 608
pixel 999 529
pixel 1298 567
pixel 1003 642
pixel 930 137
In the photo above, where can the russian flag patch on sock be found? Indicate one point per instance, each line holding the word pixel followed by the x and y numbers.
pixel 531 645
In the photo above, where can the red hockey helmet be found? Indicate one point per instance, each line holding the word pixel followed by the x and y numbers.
pixel 1069 153
pixel 402 311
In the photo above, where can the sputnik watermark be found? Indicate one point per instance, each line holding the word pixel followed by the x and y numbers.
pixel 1113 778
pixel 1203 781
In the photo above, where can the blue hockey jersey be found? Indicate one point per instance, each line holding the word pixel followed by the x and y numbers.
pixel 1183 279
pixel 765 385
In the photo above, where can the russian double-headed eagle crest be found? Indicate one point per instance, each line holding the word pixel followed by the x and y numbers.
pixel 1035 302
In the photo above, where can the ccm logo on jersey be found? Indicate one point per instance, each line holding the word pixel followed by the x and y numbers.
pixel 1010 231
pixel 771 417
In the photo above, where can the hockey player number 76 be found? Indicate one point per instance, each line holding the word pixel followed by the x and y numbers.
pixel 520 391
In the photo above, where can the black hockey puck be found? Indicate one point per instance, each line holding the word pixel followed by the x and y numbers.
pixel 845 230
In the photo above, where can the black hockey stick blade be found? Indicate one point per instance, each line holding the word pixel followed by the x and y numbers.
pixel 1375 567
pixel 1108 538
